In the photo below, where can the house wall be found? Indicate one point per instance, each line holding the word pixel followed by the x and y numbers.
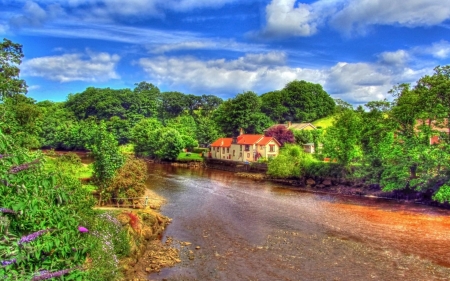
pixel 264 150
pixel 220 153
pixel 243 155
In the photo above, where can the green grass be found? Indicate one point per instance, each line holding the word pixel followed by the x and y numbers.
pixel 127 148
pixel 86 171
pixel 78 171
pixel 183 156
pixel 89 187
pixel 324 122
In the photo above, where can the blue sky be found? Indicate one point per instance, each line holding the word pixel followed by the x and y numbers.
pixel 356 49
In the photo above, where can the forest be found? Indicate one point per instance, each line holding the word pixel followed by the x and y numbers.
pixel 396 144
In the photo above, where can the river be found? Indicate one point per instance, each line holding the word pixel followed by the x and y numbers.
pixel 254 230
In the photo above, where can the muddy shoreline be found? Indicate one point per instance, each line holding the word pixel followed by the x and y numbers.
pixel 343 187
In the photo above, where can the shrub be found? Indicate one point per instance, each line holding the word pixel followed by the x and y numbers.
pixel 40 217
pixel 129 181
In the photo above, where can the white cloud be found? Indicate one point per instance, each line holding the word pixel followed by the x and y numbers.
pixel 357 15
pixel 358 82
pixel 34 15
pixel 286 18
pixel 257 72
pixel 397 58
pixel 38 11
pixel 91 67
pixel 439 50
pixel 353 82
pixel 192 42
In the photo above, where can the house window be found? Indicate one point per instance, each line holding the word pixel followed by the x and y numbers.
pixel 223 149
pixel 272 148
pixel 240 147
pixel 261 147
pixel 247 148
pixel 240 154
pixel 234 152
pixel 228 150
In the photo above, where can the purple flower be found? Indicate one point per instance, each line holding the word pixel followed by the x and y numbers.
pixel 83 229
pixel 32 236
pixel 8 262
pixel 48 275
pixel 7 211
pixel 16 169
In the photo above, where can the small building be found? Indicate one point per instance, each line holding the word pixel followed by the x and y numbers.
pixel 245 148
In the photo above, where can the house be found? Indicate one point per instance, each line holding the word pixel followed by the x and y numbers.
pixel 296 126
pixel 440 128
pixel 244 148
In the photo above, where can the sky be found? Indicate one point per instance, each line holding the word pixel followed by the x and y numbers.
pixel 356 49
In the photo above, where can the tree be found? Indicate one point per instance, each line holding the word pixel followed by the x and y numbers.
pixel 147 100
pixel 281 134
pixel 108 158
pixel 21 120
pixel 170 144
pixel 209 103
pixel 244 111
pixel 298 101
pixel 145 138
pixel 273 105
pixel 10 57
pixel 173 104
pixel 207 131
pixel 291 162
pixel 343 140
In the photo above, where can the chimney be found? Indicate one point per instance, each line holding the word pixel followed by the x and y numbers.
pixel 241 132
pixel 289 124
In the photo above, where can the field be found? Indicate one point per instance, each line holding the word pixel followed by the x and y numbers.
pixel 324 123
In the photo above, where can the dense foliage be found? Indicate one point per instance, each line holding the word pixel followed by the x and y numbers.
pixel 47 225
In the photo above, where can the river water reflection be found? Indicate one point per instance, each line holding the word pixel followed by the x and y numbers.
pixel 253 230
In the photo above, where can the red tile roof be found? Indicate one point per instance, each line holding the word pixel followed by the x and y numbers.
pixel 266 140
pixel 222 142
pixel 248 139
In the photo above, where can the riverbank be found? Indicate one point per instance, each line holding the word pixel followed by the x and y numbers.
pixel 350 188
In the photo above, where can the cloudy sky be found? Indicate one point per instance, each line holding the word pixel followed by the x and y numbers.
pixel 356 49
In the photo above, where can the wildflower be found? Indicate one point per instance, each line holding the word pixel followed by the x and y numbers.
pixel 83 229
pixel 21 167
pixel 8 262
pixel 7 211
pixel 32 236
pixel 47 275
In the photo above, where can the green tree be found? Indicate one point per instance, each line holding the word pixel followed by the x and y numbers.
pixel 298 101
pixel 291 162
pixel 172 105
pixel 145 138
pixel 170 144
pixel 342 141
pixel 274 106
pixel 244 111
pixel 208 104
pixel 147 101
pixel 21 120
pixel 108 158
pixel 10 57
pixel 207 131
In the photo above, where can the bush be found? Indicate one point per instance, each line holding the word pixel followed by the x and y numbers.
pixel 291 162
pixel 129 181
pixel 46 226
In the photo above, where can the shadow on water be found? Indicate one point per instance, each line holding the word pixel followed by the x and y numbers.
pixel 254 230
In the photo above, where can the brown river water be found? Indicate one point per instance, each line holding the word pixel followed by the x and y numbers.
pixel 254 230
